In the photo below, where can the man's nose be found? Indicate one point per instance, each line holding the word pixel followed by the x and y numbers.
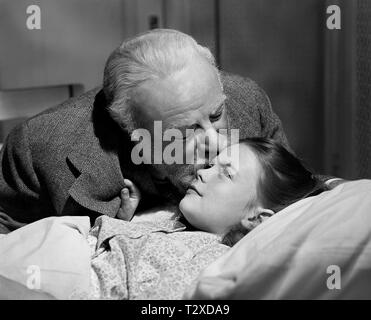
pixel 210 143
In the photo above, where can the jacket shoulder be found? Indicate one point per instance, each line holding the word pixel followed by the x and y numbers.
pixel 75 104
pixel 245 103
pixel 63 119
pixel 241 89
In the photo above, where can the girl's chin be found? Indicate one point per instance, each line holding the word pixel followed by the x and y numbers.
pixel 183 205
pixel 186 205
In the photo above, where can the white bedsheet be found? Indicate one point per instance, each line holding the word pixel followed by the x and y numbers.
pixel 51 254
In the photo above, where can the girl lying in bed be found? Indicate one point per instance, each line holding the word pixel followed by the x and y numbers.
pixel 236 193
pixel 159 258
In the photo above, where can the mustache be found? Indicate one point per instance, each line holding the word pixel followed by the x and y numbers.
pixel 181 176
pixel 184 175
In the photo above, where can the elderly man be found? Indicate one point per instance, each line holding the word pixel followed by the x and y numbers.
pixel 73 159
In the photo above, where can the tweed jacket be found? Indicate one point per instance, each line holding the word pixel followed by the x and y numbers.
pixel 72 159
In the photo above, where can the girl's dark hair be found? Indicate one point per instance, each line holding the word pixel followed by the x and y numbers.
pixel 283 181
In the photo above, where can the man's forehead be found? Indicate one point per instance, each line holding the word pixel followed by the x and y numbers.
pixel 163 99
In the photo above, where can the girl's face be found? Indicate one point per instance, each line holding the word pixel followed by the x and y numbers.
pixel 220 196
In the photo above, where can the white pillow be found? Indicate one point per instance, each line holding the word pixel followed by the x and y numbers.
pixel 317 248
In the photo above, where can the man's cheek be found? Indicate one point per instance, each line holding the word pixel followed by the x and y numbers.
pixel 190 152
pixel 222 140
pixel 183 174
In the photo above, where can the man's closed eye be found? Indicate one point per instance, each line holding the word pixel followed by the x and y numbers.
pixel 217 115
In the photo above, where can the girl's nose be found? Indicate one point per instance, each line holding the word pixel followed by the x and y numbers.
pixel 201 174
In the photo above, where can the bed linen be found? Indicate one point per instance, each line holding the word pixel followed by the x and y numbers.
pixel 148 259
pixel 151 257
pixel 317 248
pixel 51 255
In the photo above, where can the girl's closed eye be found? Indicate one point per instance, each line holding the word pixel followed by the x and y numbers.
pixel 226 171
pixel 223 170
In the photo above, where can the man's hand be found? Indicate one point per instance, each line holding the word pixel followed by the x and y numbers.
pixel 130 197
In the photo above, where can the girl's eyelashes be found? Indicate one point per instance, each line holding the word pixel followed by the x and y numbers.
pixel 225 171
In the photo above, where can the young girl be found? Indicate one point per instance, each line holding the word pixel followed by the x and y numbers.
pixel 239 191
pixel 159 258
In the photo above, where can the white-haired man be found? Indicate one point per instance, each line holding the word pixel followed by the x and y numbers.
pixel 75 158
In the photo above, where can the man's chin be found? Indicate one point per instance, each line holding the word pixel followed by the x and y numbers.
pixel 179 178
pixel 183 184
pixel 182 179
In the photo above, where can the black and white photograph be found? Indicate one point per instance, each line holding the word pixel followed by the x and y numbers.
pixel 188 150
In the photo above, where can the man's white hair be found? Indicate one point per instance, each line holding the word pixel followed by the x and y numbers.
pixel 154 54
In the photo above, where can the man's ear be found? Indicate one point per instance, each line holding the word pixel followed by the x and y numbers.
pixel 260 215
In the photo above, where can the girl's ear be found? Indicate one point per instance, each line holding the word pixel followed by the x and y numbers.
pixel 266 213
pixel 260 215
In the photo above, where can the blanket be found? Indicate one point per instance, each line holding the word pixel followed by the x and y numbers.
pixel 143 259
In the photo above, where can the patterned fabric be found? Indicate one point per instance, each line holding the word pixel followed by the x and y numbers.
pixel 147 259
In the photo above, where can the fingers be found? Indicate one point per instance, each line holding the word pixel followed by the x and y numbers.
pixel 125 199
pixel 127 207
pixel 130 197
pixel 134 190
pixel 125 194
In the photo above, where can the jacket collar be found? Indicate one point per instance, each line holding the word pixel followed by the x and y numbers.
pixel 97 163
pixel 98 175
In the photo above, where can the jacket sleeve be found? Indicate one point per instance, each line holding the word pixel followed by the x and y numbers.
pixel 19 185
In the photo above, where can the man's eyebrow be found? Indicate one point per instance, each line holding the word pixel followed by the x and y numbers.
pixel 178 126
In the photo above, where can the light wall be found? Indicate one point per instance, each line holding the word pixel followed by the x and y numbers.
pixel 75 38
pixel 278 43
